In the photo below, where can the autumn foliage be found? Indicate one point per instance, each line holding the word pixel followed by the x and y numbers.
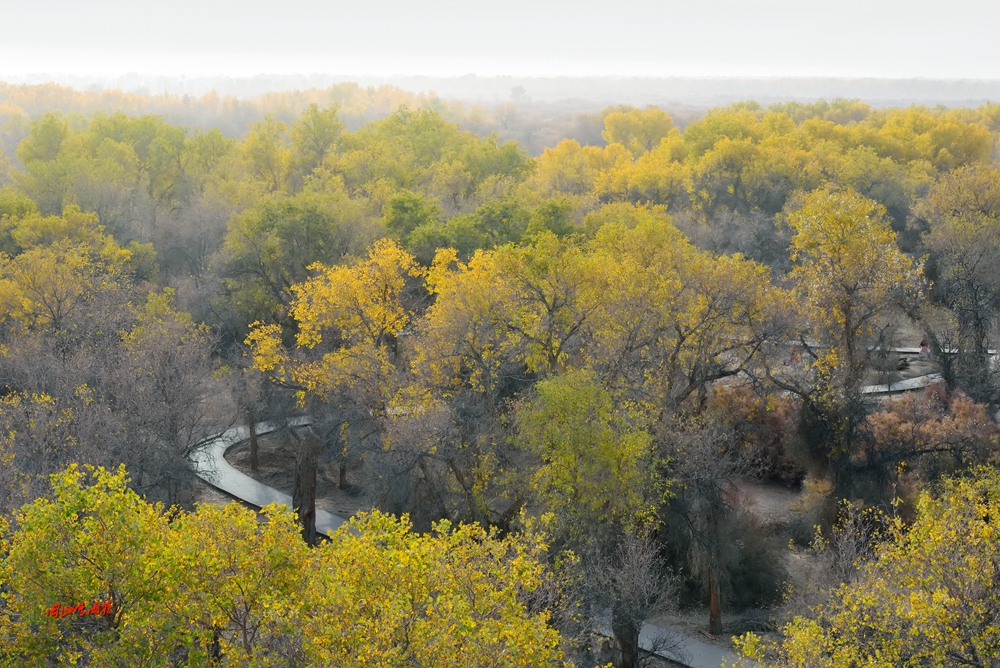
pixel 614 335
pixel 190 588
pixel 928 597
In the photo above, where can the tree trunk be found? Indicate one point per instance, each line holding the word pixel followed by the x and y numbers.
pixel 342 481
pixel 254 450
pixel 508 515
pixel 714 610
pixel 216 645
pixel 304 491
pixel 432 491
pixel 470 501
pixel 627 637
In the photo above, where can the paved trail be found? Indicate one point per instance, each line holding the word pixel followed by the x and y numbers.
pixel 209 463
pixel 677 647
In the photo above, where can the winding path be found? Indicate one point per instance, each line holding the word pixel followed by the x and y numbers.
pixel 908 385
pixel 209 463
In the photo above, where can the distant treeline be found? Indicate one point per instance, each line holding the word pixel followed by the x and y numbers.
pixel 229 113
pixel 669 90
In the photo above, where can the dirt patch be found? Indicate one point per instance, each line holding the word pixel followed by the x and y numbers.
pixel 771 502
pixel 200 491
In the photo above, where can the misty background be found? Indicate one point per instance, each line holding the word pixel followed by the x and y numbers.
pixel 447 38
pixel 528 71
pixel 576 90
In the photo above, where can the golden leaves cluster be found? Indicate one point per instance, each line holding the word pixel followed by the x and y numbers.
pixel 59 262
pixel 352 313
pixel 929 597
pixel 222 581
pixel 746 157
pixel 849 272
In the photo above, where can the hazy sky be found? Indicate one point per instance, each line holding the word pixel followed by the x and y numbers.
pixel 911 38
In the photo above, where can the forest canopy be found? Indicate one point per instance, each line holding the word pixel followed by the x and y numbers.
pixel 558 373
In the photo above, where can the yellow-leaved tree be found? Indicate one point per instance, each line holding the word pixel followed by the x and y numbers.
pixel 963 210
pixel 638 130
pixel 850 277
pixel 596 466
pixel 668 318
pixel 383 595
pixel 464 337
pixel 349 318
pixel 84 543
pixel 929 597
pixel 505 315
pixel 223 586
pixel 59 262
pixel 849 274
pixel 572 169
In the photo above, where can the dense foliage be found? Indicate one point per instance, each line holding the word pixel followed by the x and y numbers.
pixel 929 595
pixel 612 339
pixel 190 589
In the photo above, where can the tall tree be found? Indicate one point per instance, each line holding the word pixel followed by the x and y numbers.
pixel 963 210
pixel 312 136
pixel 638 130
pixel 848 278
pixel 348 319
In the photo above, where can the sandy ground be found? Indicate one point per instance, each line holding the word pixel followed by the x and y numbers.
pixel 202 492
pixel 770 502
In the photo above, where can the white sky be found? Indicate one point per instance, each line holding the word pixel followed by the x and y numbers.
pixel 850 38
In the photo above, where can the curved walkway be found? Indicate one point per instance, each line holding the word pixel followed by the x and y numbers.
pixel 209 463
pixel 908 385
